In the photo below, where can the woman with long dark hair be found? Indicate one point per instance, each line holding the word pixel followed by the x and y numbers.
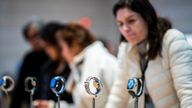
pixel 152 56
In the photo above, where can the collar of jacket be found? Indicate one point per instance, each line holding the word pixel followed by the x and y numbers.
pixel 80 57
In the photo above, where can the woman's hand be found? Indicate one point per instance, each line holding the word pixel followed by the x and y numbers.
pixel 42 104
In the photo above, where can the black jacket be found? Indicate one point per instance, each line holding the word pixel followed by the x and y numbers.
pixel 31 66
pixel 48 72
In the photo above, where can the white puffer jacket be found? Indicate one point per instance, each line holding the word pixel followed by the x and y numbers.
pixel 97 62
pixel 168 78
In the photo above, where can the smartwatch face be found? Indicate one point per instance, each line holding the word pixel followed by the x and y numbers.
pixel 7 83
pixel 131 84
pixel 93 85
pixel 1 82
pixel 30 84
pixel 135 87
pixel 57 85
pixel 52 83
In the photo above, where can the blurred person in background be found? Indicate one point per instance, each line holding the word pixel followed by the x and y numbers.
pixel 32 62
pixel 55 66
pixel 107 44
pixel 151 51
pixel 86 57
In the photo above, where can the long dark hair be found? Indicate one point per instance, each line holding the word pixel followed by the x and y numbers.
pixel 157 26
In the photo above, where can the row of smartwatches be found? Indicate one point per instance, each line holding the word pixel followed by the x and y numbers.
pixel 57 84
pixel 93 86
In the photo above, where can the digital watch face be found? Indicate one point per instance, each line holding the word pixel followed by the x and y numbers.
pixel 131 84
pixel 135 87
pixel 53 83
pixel 1 82
pixel 7 83
pixel 93 85
pixel 57 85
pixel 30 84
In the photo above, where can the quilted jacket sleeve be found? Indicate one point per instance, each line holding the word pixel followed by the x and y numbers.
pixel 118 97
pixel 180 58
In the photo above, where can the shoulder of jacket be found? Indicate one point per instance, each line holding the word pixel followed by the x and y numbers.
pixel 175 42
pixel 173 35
